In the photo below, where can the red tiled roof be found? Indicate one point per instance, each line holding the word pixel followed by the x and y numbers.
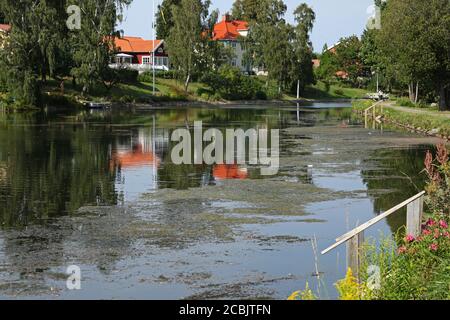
pixel 135 158
pixel 135 44
pixel 5 27
pixel 229 30
pixel 226 171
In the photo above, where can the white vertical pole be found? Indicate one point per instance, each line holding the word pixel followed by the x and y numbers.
pixel 154 42
pixel 378 82
pixel 298 89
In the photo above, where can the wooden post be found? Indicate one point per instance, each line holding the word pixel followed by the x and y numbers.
pixel 354 246
pixel 414 217
pixel 374 111
pixel 366 116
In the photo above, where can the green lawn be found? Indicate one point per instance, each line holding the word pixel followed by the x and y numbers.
pixel 173 90
pixel 318 92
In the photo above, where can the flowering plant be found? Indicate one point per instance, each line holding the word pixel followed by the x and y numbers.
pixel 437 169
pixel 435 239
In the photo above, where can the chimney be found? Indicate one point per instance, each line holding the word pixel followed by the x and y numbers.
pixel 226 17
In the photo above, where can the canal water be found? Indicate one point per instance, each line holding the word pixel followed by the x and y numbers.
pixel 98 189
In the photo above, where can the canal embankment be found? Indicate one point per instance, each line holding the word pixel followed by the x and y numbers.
pixel 424 121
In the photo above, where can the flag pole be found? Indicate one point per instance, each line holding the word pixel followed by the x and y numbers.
pixel 154 44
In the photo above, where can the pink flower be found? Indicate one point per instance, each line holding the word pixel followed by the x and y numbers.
pixel 409 238
pixel 431 223
pixel 402 250
pixel 443 224
pixel 426 232
pixel 434 247
pixel 446 234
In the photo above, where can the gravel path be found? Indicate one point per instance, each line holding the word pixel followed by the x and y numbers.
pixel 391 105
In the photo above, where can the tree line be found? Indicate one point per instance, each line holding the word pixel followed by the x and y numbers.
pixel 410 52
pixel 283 50
pixel 40 46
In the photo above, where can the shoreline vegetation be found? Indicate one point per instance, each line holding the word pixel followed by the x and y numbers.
pixel 407 267
pixel 427 121
pixel 170 91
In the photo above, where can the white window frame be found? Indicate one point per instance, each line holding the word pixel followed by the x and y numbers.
pixel 144 58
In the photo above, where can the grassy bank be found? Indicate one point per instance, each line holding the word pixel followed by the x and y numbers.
pixel 319 92
pixel 421 120
pixel 170 90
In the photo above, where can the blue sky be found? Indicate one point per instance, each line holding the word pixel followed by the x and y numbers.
pixel 335 18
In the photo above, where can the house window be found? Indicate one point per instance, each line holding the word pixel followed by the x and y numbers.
pixel 161 61
pixel 233 62
pixel 146 60
pixel 234 45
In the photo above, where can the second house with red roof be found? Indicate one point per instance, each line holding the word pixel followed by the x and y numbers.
pixel 139 54
pixel 230 33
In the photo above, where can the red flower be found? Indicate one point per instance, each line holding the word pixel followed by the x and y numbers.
pixel 409 238
pixel 434 247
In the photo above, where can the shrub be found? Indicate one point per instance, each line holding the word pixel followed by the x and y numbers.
pixel 127 75
pixel 405 103
pixel 231 84
pixel 339 92
pixel 126 99
pixel 147 76
pixel 261 95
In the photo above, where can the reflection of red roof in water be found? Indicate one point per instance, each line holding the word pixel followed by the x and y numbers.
pixel 229 171
pixel 135 158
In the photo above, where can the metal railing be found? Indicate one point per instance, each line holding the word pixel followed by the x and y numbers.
pixel 374 114
pixel 355 237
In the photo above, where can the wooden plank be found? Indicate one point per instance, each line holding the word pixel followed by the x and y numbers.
pixel 380 217
pixel 414 217
pixel 344 238
pixel 354 246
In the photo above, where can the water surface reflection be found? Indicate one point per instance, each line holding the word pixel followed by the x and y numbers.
pixel 99 189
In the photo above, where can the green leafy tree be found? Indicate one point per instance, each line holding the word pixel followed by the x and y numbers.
pixel 415 43
pixel 348 58
pixel 186 42
pixel 93 44
pixel 30 54
pixel 268 22
pixel 283 50
pixel 246 10
pixel 303 49
pixel 164 18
